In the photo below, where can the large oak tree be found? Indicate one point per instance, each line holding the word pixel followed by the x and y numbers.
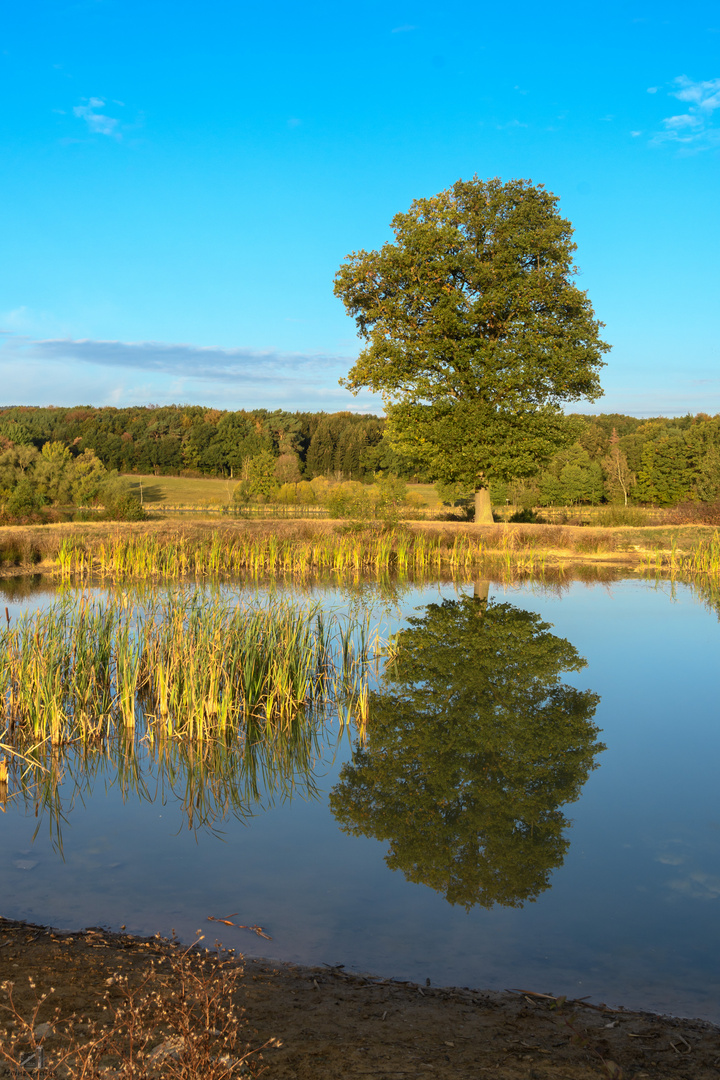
pixel 475 331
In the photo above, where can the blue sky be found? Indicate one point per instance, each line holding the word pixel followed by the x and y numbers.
pixel 181 180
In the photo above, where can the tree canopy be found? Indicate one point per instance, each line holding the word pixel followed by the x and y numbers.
pixel 474 743
pixel 476 333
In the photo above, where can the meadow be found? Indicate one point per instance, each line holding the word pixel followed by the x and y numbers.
pixel 161 493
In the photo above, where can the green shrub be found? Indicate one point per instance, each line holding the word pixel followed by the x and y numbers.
pixel 24 499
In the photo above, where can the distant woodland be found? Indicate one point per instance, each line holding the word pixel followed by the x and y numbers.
pixel 69 454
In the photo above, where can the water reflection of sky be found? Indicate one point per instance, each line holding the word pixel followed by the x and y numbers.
pixel 632 913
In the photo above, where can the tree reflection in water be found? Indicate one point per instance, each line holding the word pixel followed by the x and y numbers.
pixel 474 744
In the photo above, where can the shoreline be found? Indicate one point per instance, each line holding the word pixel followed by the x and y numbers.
pixel 331 1023
pixel 527 550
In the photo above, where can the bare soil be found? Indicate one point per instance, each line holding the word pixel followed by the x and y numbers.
pixel 333 1024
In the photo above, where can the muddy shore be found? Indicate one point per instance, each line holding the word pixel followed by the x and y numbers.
pixel 331 1024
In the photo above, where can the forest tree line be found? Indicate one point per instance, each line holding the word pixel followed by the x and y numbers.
pixel 68 454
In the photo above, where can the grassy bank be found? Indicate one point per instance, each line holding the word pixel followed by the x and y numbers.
pixel 143 550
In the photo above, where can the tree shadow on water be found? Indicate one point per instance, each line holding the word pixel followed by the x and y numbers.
pixel 474 744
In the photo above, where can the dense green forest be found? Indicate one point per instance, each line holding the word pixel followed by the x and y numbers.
pixel 64 455
pixel 208 442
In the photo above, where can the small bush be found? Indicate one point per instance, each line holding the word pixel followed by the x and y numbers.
pixel 176 1018
pixel 24 500
pixel 525 517
pixel 119 501
pixel 349 500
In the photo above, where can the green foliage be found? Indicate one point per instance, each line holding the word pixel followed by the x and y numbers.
pixel 211 442
pixel 666 472
pixel 390 496
pixel 347 446
pixel 304 493
pixel 24 500
pixel 475 333
pixel 258 483
pixel 17 463
pixel 349 500
pixel 385 500
pixel 287 469
pixel 474 744
pixel 619 477
pixel 119 501
pixel 89 476
pixel 526 516
pixel 18 434
pixel 454 494
pixel 571 477
pixel 708 480
pixel 54 473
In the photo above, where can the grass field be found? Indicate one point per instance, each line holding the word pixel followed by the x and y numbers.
pixel 182 490
pixel 160 491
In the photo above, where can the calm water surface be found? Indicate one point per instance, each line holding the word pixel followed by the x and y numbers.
pixel 614 895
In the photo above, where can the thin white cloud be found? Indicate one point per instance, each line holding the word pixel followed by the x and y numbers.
pixel 98 123
pixel 197 361
pixel 136 372
pixel 696 127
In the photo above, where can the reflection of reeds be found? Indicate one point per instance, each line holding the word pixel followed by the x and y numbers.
pixel 144 557
pixel 193 666
pixel 209 781
pixel 219 706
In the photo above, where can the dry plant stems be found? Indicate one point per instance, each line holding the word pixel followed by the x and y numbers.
pixel 264 554
pixel 191 666
pixel 180 1020
pixel 702 562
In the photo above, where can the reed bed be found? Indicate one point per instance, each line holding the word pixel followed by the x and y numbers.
pixel 702 562
pixel 187 666
pixel 147 558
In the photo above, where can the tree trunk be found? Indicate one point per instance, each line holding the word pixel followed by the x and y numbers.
pixel 480 594
pixel 483 507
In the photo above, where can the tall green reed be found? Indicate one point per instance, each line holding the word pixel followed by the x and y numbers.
pixel 193 665
pixel 146 558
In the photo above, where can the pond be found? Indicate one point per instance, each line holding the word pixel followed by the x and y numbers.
pixel 515 818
